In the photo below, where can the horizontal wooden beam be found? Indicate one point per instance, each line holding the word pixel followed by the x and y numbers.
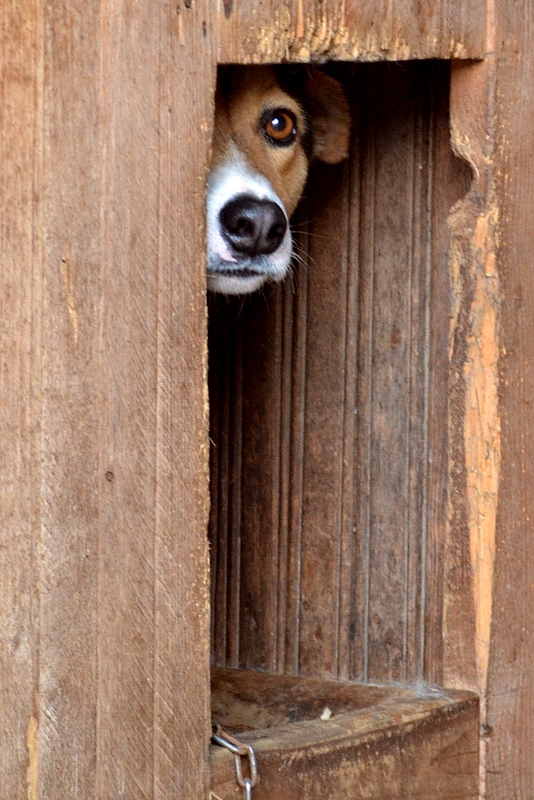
pixel 401 743
pixel 264 31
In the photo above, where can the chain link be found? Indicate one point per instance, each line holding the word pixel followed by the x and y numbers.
pixel 243 753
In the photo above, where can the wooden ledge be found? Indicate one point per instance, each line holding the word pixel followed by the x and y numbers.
pixel 380 742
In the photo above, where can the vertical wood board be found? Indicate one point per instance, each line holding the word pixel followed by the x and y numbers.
pixel 67 227
pixel 19 408
pixel 488 625
pixel 104 586
pixel 510 720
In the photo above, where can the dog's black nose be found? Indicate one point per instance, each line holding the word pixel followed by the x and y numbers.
pixel 252 226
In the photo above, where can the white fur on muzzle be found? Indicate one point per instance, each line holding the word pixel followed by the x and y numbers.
pixel 230 271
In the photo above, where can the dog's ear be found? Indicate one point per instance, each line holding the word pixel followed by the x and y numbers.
pixel 330 116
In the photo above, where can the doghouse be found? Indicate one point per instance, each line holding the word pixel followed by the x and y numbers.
pixel 365 462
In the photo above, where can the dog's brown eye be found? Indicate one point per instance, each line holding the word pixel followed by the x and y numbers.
pixel 280 126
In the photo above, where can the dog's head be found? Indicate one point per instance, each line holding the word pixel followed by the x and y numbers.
pixel 267 130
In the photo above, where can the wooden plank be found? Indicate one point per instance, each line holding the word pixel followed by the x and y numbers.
pixel 396 314
pixel 269 31
pixel 291 468
pixel 20 400
pixel 396 745
pixel 508 340
pixel 465 647
pixel 226 412
pixel 260 462
pixel 329 401
pixel 104 630
pixel 67 224
pixel 181 591
pixel 153 658
pixel 255 434
pixel 404 367
pixel 488 643
pixel 451 180
pixel 129 440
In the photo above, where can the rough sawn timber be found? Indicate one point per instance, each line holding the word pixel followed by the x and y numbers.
pixel 397 745
pixel 270 31
pixel 104 667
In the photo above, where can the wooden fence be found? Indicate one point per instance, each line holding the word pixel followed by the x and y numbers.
pixel 391 544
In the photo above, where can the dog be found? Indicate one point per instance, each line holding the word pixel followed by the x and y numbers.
pixel 269 125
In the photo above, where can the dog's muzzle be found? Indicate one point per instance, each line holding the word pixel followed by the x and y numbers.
pixel 249 241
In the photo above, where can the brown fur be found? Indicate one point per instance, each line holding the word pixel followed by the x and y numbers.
pixel 256 180
pixel 247 92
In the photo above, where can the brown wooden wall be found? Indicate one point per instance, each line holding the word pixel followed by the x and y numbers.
pixel 492 459
pixel 105 122
pixel 103 560
pixel 510 689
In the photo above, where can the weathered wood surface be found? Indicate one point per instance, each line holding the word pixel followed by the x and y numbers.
pixel 474 409
pixel 104 676
pixel 19 408
pixel 246 700
pixel 489 624
pixel 329 410
pixel 265 31
pixel 397 746
pixel 510 703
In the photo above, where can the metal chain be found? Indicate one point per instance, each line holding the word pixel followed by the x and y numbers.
pixel 241 752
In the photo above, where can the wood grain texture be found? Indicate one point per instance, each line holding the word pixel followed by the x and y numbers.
pixel 329 410
pixel 19 407
pixel 488 629
pixel 395 746
pixel 269 31
pixel 510 756
pixel 474 412
pixel 452 180
pixel 244 700
pixel 70 393
pixel 104 587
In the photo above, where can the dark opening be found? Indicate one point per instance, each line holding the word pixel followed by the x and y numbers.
pixel 328 400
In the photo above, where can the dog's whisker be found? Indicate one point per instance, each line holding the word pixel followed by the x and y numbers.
pixel 299 259
pixel 304 259
pixel 304 234
pixel 302 223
